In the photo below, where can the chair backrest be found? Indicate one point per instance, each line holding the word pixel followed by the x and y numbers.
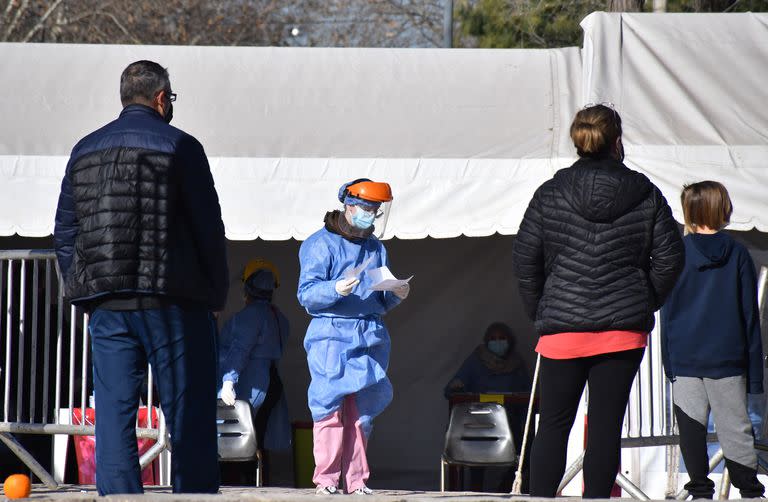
pixel 237 436
pixel 479 434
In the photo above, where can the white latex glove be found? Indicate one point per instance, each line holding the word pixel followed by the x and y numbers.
pixel 228 393
pixel 345 286
pixel 402 291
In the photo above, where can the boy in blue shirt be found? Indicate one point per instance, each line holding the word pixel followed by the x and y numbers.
pixel 712 348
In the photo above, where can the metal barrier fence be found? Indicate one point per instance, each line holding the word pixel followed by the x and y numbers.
pixel 650 418
pixel 46 372
pixel 47 341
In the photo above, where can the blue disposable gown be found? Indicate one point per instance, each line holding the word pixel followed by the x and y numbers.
pixel 347 344
pixel 249 343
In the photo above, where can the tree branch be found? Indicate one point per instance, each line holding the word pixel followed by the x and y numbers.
pixel 419 20
pixel 15 20
pixel 41 21
pixel 121 27
pixel 8 7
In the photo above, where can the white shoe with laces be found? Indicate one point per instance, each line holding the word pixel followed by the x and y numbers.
pixel 363 490
pixel 326 490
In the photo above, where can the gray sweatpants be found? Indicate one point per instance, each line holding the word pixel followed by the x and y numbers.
pixel 727 399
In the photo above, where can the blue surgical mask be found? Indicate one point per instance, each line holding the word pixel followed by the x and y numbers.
pixel 363 219
pixel 498 347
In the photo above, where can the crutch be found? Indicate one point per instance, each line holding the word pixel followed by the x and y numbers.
pixel 517 485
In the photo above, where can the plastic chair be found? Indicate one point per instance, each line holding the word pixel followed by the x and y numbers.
pixel 478 435
pixel 237 435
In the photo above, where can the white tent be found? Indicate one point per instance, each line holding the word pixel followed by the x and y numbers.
pixel 285 127
pixel 464 136
pixel 689 88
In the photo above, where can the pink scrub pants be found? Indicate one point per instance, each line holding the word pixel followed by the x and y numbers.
pixel 339 448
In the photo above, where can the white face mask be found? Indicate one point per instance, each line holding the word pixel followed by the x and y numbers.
pixel 498 347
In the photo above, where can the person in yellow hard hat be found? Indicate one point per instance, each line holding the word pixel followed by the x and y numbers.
pixel 347 344
pixel 250 347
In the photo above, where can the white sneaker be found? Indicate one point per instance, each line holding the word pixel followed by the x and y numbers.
pixel 326 490
pixel 363 490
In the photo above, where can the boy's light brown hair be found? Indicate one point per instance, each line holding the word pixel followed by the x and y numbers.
pixel 706 203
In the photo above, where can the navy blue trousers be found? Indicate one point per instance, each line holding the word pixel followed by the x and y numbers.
pixel 181 346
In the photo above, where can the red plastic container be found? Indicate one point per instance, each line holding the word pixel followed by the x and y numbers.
pixel 85 448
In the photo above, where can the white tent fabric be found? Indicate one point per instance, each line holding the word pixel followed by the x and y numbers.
pixel 690 90
pixel 464 136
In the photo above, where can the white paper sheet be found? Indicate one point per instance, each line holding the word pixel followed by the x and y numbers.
pixel 356 271
pixel 383 280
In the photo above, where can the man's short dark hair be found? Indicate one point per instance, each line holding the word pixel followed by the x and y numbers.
pixel 141 80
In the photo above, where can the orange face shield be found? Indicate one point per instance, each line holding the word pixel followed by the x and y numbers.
pixel 371 191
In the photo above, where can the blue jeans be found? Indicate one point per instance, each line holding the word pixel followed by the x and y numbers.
pixel 181 346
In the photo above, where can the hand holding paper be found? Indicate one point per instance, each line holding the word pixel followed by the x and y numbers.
pixel 356 271
pixel 345 286
pixel 383 280
pixel 402 291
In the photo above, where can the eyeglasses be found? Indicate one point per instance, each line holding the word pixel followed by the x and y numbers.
pixel 171 96
pixel 377 212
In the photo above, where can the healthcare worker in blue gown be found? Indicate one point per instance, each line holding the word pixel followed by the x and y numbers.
pixel 250 347
pixel 347 344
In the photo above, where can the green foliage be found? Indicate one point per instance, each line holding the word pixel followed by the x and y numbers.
pixel 555 23
pixel 524 23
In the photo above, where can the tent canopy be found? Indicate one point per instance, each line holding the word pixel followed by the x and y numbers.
pixel 284 127
pixel 464 136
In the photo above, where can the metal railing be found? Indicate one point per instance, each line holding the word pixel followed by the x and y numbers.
pixel 650 418
pixel 47 340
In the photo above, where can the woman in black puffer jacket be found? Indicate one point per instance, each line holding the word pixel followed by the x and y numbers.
pixel 596 255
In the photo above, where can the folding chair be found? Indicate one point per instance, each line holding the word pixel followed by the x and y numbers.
pixel 237 435
pixel 478 435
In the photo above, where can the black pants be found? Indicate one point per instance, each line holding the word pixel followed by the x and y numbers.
pixel 261 418
pixel 244 473
pixel 562 381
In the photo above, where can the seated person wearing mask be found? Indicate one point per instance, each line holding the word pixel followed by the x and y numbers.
pixel 495 367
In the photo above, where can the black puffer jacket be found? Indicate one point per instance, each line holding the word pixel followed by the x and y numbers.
pixel 597 250
pixel 139 216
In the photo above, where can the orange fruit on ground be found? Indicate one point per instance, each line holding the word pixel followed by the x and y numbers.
pixel 17 486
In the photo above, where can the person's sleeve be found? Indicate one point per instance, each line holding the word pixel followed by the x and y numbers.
pixel 459 381
pixel 665 343
pixel 316 291
pixel 66 224
pixel 528 257
pixel 201 204
pixel 751 320
pixel 667 252
pixel 523 380
pixel 243 339
pixel 391 300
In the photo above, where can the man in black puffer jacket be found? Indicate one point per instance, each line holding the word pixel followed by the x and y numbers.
pixel 140 244
pixel 596 255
